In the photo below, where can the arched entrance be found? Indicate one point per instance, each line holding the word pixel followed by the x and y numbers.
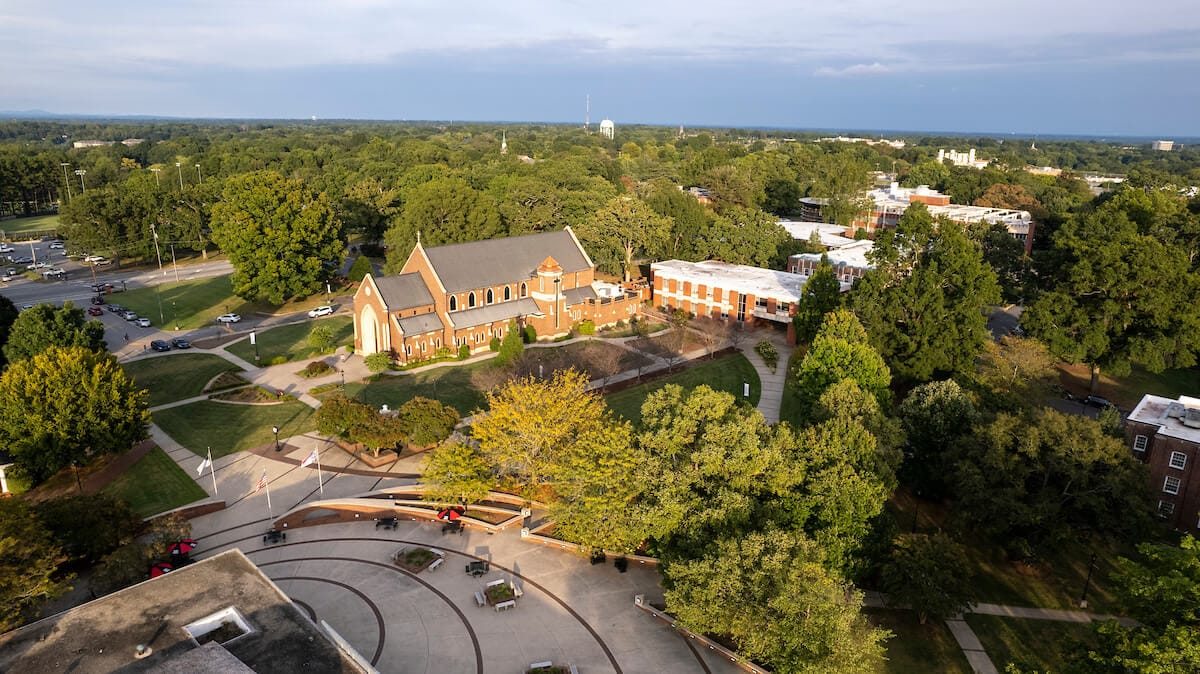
pixel 368 326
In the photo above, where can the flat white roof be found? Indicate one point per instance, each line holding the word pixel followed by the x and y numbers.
pixel 1152 409
pixel 832 236
pixel 850 256
pixel 765 283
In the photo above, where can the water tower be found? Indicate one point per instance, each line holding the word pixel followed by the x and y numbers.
pixel 607 128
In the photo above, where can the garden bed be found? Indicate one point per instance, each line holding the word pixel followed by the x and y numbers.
pixel 498 593
pixel 224 381
pixel 363 454
pixel 251 395
pixel 414 560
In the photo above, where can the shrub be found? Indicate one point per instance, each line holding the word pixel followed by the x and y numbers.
pixel 377 362
pixel 426 421
pixel 278 360
pixel 494 345
pixel 321 337
pixel 511 346
pixel 767 351
pixel 349 348
pixel 530 334
pixel 464 352
pixel 587 328
pixel 316 369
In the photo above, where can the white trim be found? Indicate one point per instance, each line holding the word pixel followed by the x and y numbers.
pixel 1182 460
pixel 1169 487
pixel 1140 442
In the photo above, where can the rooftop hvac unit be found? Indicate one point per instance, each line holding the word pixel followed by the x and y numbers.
pixel 1175 411
pixel 1191 418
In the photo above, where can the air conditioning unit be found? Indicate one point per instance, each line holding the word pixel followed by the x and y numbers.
pixel 1191 418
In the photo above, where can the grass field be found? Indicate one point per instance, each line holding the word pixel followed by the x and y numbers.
pixel 15 227
pixel 1126 391
pixel 1032 645
pixel 456 386
pixel 195 304
pixel 917 648
pixel 723 374
pixel 229 428
pixel 178 376
pixel 291 341
pixel 155 484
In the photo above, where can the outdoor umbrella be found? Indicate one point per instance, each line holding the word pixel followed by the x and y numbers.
pixel 449 514
pixel 183 547
pixel 159 569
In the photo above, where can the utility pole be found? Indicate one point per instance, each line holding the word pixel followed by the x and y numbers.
pixel 66 179
pixel 81 173
pixel 199 176
pixel 156 170
pixel 178 166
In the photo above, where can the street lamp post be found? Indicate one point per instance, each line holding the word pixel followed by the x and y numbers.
pixel 67 179
pixel 1087 582
pixel 343 373
pixel 199 176
pixel 156 170
pixel 179 167
pixel 275 429
pixel 81 173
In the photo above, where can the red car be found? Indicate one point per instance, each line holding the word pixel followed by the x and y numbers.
pixel 95 311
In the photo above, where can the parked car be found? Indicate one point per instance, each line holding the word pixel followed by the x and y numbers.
pixel 97 300
pixel 102 263
pixel 22 260
pixel 116 309
pixel 93 258
pixel 95 311
pixel 181 343
pixel 37 265
pixel 228 318
pixel 142 322
pixel 58 245
pixel 101 287
pixel 159 345
pixel 1096 401
pixel 5 248
pixel 320 311
pixel 130 315
pixel 53 273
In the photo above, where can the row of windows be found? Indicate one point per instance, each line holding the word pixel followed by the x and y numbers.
pixel 1178 459
pixel 1166 509
pixel 489 297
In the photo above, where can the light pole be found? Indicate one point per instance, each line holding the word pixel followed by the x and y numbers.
pixel 67 179
pixel 157 252
pixel 1086 583
pixel 343 373
pixel 173 265
pixel 81 173
pixel 179 167
pixel 199 176
pixel 156 170
pixel 275 429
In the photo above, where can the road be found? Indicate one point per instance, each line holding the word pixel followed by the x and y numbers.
pixel 76 286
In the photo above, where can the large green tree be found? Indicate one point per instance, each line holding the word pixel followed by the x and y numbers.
pixel 772 595
pixel 65 405
pixel 442 211
pixel 46 325
pixel 930 574
pixel 29 561
pixel 840 351
pixel 821 294
pixel 8 316
pixel 283 239
pixel 924 302
pixel 1118 294
pixel 842 179
pixel 456 473
pixel 936 416
pixel 621 232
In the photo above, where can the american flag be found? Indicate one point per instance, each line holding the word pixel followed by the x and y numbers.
pixel 261 484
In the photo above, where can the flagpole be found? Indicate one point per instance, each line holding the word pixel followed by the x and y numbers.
pixel 213 471
pixel 270 511
pixel 320 479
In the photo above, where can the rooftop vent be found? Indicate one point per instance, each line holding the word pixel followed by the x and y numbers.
pixel 1191 418
pixel 222 627
pixel 1175 411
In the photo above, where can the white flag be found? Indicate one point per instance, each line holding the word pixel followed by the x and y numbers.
pixel 310 459
pixel 203 464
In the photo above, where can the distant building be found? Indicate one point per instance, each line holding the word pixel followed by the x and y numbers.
pixel 98 143
pixel 849 262
pixel 217 615
pixel 728 291
pixel 1044 171
pixel 1163 145
pixel 702 195
pixel 962 158
pixel 1165 435
pixel 869 141
pixel 830 235
pixel 607 128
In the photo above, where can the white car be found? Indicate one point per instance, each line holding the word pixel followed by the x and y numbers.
pixel 228 318
pixel 320 311
pixel 5 248
pixel 142 322
pixel 58 245
pixel 37 265
pixel 93 258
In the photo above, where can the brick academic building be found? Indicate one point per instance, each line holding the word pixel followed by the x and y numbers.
pixel 467 293
pixel 1165 435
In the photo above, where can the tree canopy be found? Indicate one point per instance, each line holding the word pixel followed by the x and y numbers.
pixel 46 325
pixel 29 561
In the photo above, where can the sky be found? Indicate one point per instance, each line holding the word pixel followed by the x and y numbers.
pixel 1101 67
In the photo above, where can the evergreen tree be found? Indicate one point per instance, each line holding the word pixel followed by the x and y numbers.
pixel 821 294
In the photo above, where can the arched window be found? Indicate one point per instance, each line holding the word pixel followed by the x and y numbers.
pixel 524 290
pixel 490 297
pixel 471 300
pixel 453 303
pixel 507 293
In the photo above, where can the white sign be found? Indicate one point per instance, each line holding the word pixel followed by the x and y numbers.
pixel 252 338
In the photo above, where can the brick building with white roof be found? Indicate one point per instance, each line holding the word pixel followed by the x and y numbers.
pixel 1165 435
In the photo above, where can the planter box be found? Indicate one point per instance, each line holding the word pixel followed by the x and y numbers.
pixel 363 454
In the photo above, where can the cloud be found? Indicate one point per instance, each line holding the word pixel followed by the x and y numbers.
pixel 858 69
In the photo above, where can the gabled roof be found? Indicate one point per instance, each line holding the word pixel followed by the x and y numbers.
pixel 578 295
pixel 467 266
pixel 420 324
pixel 403 291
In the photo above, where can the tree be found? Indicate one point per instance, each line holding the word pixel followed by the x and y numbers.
pixel 923 304
pixel 89 527
pixel 929 573
pixel 377 362
pixel 65 405
pixel 713 331
pixel 1016 371
pixel 443 210
pixel 339 416
pixel 456 473
pixel 283 239
pixel 1031 484
pixel 379 432
pixel 690 220
pixel 8 316
pixel 622 231
pixel 821 294
pixel 595 491
pixel 1117 295
pixel 321 337
pixel 46 325
pixel 427 422
pixel 512 346
pixel 360 269
pixel 840 351
pixel 929 172
pixel 937 417
pixel 743 236
pixel 29 561
pixel 842 179
pixel 770 593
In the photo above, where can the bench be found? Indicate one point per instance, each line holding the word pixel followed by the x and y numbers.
pixel 517 591
pixel 574 669
pixel 494 583
pixel 387 523
pixel 436 564
pixel 439 553
pixel 479 599
pixel 505 605
pixel 535 665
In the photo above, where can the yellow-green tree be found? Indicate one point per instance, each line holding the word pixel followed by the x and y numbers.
pixel 456 473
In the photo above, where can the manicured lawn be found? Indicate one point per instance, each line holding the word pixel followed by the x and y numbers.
pixel 15 227
pixel 229 428
pixel 459 386
pixel 723 374
pixel 291 341
pixel 1126 391
pixel 155 484
pixel 915 648
pixel 1033 645
pixel 596 358
pixel 177 376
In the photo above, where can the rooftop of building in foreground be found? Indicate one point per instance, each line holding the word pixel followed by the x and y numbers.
pixel 220 615
pixel 1174 418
